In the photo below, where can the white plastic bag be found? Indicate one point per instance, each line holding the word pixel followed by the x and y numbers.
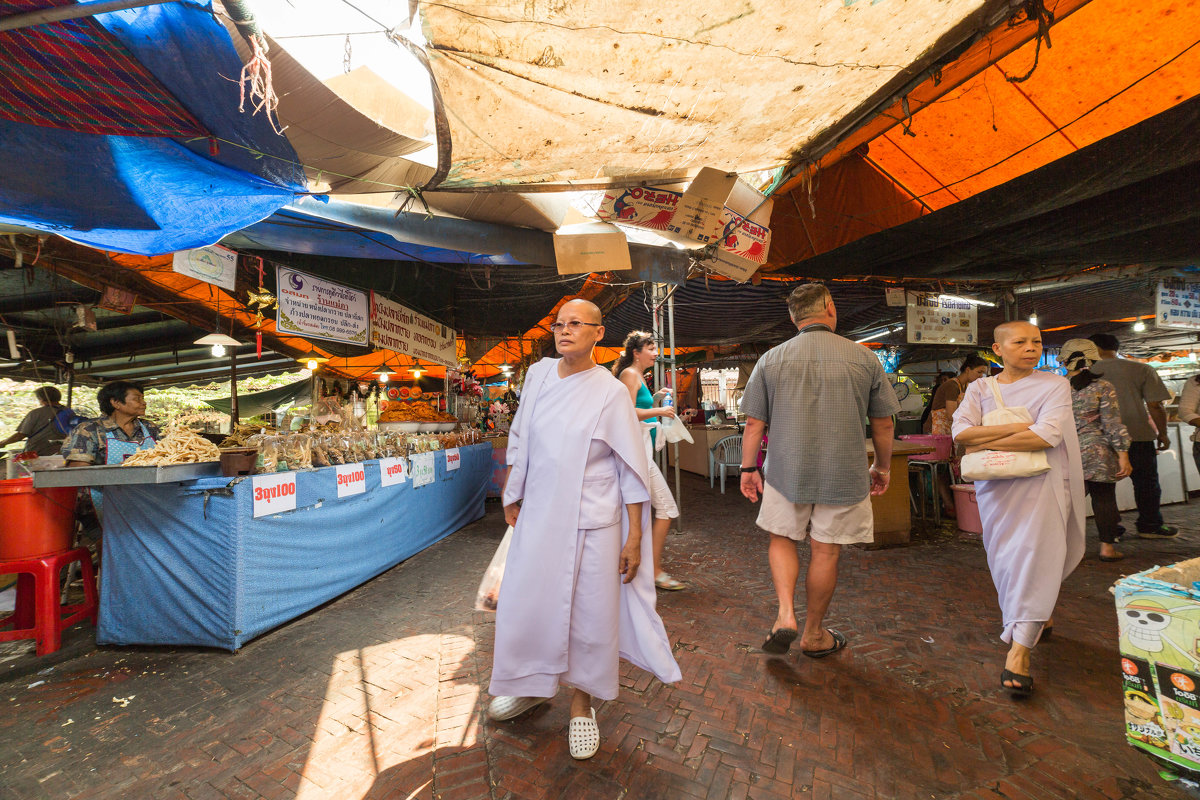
pixel 991 465
pixel 488 595
pixel 670 431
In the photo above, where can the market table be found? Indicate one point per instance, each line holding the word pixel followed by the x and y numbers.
pixel 893 510
pixel 188 563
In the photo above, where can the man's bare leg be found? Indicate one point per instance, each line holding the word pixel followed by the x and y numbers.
pixel 818 589
pixel 785 570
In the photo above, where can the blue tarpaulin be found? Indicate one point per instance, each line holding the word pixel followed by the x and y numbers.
pixel 293 232
pixel 187 564
pixel 149 195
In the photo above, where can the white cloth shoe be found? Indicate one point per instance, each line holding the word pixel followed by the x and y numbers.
pixel 583 736
pixel 504 707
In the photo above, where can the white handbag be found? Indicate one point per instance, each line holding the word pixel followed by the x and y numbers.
pixel 994 465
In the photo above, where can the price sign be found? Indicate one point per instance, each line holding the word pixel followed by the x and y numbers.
pixel 274 493
pixel 392 471
pixel 453 458
pixel 422 469
pixel 351 479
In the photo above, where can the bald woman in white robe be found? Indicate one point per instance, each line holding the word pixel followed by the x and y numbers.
pixel 1033 528
pixel 574 597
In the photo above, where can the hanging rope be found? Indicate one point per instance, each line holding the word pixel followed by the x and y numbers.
pixel 1035 10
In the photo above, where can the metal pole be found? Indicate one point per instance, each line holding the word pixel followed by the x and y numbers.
pixel 656 317
pixel 675 396
pixel 233 398
pixel 70 383
pixel 14 22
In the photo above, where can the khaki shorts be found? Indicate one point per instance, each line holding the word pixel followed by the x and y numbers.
pixel 830 524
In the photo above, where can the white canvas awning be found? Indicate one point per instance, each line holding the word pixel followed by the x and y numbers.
pixel 575 95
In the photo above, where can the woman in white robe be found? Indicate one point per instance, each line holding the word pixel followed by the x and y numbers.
pixel 564 612
pixel 1033 528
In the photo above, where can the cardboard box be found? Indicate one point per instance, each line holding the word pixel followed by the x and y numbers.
pixel 1158 616
pixel 590 247
pixel 716 209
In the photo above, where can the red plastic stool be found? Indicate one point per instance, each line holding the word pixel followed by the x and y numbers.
pixel 39 612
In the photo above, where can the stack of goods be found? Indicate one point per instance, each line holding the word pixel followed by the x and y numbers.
pixel 420 411
pixel 178 446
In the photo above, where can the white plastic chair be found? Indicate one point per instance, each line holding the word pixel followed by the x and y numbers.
pixel 726 452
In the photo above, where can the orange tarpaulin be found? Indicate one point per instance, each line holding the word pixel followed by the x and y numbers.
pixel 1113 64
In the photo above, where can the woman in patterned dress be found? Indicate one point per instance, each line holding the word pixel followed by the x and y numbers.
pixel 1103 440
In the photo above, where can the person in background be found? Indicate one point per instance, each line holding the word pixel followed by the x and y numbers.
pixel 638 356
pixel 1033 527
pixel 941 378
pixel 1103 440
pixel 574 600
pixel 1139 391
pixel 44 437
pixel 1189 412
pixel 115 435
pixel 948 395
pixel 813 393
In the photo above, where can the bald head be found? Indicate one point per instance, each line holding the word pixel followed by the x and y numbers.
pixel 587 310
pixel 1008 330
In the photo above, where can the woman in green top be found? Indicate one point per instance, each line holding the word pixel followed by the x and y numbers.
pixel 639 355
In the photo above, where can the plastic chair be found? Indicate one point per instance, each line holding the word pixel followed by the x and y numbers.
pixel 39 612
pixel 727 452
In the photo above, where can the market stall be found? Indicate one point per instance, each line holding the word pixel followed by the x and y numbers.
pixel 215 561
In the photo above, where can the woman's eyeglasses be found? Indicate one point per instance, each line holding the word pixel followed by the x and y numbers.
pixel 574 326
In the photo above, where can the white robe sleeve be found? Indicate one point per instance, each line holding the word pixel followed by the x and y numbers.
pixel 969 413
pixel 1055 415
pixel 514 488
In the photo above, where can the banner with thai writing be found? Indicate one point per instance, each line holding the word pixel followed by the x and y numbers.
pixel 931 320
pixel 319 309
pixel 1178 305
pixel 402 330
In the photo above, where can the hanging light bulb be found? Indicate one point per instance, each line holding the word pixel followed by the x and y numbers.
pixel 384 375
pixel 312 365
pixel 1139 326
pixel 416 373
pixel 312 359
pixel 1033 318
pixel 218 350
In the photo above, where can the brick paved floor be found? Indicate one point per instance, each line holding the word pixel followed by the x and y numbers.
pixel 379 694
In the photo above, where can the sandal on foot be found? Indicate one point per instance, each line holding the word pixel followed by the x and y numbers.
pixel 839 641
pixel 1047 632
pixel 1022 685
pixel 583 736
pixel 1117 557
pixel 780 641
pixel 667 583
pixel 504 707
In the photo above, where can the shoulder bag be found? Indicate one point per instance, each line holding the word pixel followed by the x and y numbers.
pixel 995 465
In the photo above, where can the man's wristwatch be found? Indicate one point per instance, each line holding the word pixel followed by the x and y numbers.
pixel 749 469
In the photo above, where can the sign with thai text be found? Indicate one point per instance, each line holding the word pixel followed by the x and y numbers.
pixel 1178 305
pixel 392 471
pixel 351 479
pixel 404 331
pixel 274 493
pixel 215 264
pixel 318 309
pixel 453 459
pixel 421 469
pixel 932 320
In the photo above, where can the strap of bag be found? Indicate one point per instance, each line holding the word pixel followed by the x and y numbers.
pixel 994 385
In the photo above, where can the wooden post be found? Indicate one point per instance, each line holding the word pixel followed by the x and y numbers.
pixel 233 400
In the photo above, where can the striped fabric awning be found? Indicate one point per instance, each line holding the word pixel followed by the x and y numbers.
pixel 77 76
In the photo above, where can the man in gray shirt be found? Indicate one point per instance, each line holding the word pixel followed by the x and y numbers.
pixel 1139 391
pixel 813 392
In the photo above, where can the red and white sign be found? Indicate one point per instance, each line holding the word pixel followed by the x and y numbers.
pixel 274 493
pixel 453 458
pixel 714 209
pixel 392 471
pixel 351 479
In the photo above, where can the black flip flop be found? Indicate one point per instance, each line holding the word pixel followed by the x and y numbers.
pixel 1022 685
pixel 839 641
pixel 779 641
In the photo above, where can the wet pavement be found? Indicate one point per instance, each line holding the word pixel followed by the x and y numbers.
pixel 381 693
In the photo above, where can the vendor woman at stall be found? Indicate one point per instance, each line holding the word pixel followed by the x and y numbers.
pixel 115 436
